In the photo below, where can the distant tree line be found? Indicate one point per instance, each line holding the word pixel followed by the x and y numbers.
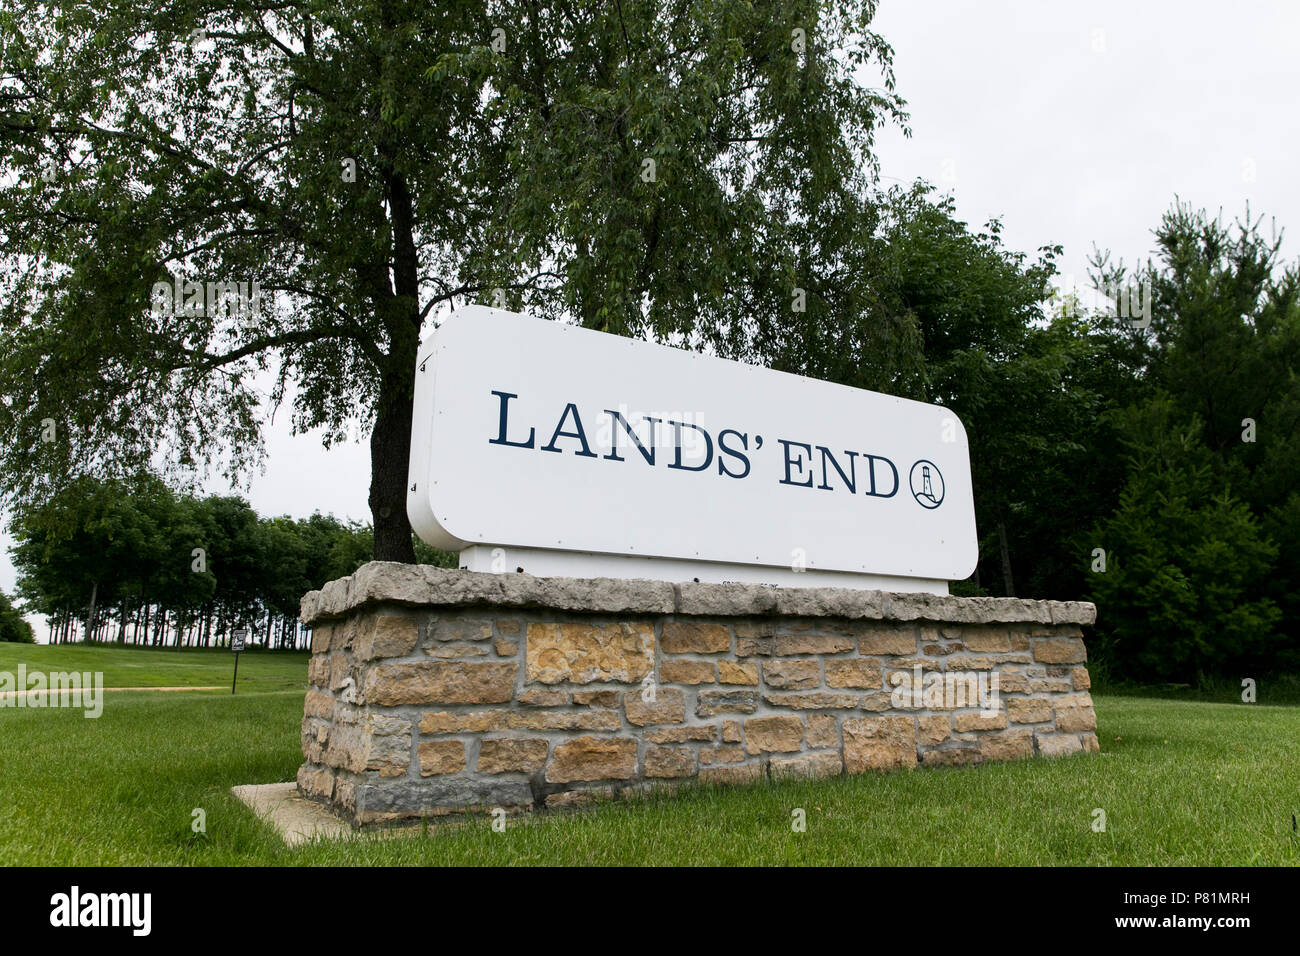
pixel 134 562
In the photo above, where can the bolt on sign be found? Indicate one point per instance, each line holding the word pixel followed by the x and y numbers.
pixel 565 451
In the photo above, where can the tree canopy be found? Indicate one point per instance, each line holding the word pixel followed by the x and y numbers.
pixel 675 168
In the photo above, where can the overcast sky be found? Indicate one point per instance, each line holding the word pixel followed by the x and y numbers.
pixel 1072 123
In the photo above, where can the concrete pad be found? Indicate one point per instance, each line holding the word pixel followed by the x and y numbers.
pixel 294 817
pixel 299 820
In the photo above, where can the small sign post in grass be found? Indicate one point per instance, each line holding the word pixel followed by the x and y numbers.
pixel 237 638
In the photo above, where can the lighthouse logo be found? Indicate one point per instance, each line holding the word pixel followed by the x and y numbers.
pixel 927 484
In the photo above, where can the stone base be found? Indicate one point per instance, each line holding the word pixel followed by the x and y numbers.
pixel 438 692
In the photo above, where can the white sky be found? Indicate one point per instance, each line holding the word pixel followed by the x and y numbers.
pixel 1073 123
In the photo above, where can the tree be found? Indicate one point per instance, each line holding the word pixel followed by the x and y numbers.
pixel 1227 331
pixel 975 304
pixel 1184 559
pixel 12 626
pixel 967 324
pixel 76 553
pixel 678 168
pixel 1221 360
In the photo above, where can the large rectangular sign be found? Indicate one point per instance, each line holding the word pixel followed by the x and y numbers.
pixel 574 451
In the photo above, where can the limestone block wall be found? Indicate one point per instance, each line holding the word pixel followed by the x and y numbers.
pixel 435 692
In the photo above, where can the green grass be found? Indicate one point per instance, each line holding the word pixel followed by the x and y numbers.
pixel 1269 689
pixel 1182 783
pixel 129 666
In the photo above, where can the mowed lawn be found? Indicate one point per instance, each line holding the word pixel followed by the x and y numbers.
pixel 1184 783
pixel 130 666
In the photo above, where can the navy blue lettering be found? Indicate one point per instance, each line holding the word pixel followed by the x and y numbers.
pixel 501 433
pixel 789 461
pixel 647 454
pixel 677 440
pixel 724 450
pixel 578 433
pixel 871 464
pixel 850 480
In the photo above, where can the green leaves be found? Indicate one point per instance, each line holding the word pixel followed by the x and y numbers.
pixel 1207 501
pixel 1181 591
pixel 12 626
pixel 134 546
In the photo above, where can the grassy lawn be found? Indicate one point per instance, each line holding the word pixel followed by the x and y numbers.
pixel 129 666
pixel 1182 782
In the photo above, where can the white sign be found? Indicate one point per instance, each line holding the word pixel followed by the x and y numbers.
pixel 563 450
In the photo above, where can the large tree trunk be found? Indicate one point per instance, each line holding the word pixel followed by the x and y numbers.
pixel 390 454
pixel 390 442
